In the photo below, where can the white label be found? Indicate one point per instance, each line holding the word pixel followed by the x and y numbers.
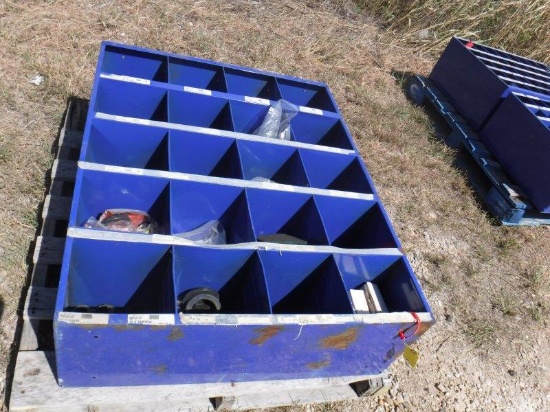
pixel 311 110
pixel 155 319
pixel 198 319
pixel 84 318
pixel 307 319
pixel 197 90
pixel 257 100
pixel 254 320
pixel 122 78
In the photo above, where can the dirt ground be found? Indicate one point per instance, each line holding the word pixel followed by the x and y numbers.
pixel 489 286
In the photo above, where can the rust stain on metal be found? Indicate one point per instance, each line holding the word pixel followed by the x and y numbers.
pixel 157 327
pixel 265 334
pixel 160 369
pixel 123 328
pixel 175 334
pixel 341 340
pixel 319 364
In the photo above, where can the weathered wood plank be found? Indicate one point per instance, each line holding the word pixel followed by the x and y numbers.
pixel 39 275
pixel 39 306
pixel 56 207
pixel 284 398
pixel 64 169
pixel 29 335
pixel 40 303
pixel 49 250
pixel 70 138
pixel 35 388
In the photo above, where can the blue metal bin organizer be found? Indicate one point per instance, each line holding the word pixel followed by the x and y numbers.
pixel 505 98
pixel 475 78
pixel 518 134
pixel 171 135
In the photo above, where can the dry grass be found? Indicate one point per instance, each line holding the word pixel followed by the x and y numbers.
pixel 519 26
pixel 464 261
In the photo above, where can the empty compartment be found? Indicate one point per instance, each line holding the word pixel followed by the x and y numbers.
pixel 134 63
pixel 119 277
pixel 194 204
pixel 192 73
pixel 389 273
pixel 236 275
pixel 126 144
pixel 355 223
pixel 320 130
pixel 251 84
pixel 286 213
pixel 334 171
pixel 281 164
pixel 131 100
pixel 100 191
pixel 204 154
pixel 305 94
pixel 304 283
pixel 198 110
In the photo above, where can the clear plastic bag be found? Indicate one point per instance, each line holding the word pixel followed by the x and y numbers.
pixel 277 121
pixel 124 220
pixel 211 233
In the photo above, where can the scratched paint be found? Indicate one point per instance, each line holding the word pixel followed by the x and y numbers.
pixel 390 354
pixel 319 364
pixel 123 327
pixel 157 327
pixel 175 334
pixel 265 334
pixel 160 369
pixel 340 341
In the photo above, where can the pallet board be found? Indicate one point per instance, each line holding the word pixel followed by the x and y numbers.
pixel 499 192
pixel 34 386
pixel 49 245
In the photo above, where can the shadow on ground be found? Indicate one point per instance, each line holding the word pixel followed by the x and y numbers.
pixel 463 161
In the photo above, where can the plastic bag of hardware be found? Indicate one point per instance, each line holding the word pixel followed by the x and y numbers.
pixel 211 233
pixel 124 220
pixel 276 123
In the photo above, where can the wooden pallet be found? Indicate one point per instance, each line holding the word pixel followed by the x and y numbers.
pixel 499 192
pixel 34 385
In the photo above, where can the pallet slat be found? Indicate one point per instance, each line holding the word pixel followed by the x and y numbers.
pixel 49 250
pixel 64 169
pixel 35 388
pixel 56 207
pixel 40 303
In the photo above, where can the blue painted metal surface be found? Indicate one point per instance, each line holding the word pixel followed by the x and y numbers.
pixel 170 135
pixel 474 78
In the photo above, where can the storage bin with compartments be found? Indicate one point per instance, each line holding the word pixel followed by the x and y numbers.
pixel 173 136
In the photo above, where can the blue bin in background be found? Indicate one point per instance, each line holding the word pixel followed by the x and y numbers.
pixel 518 134
pixel 173 136
pixel 506 99
pixel 476 78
